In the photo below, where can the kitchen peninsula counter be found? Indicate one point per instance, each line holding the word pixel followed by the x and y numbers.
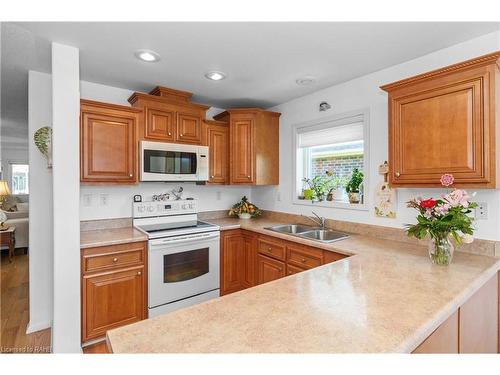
pixel 385 297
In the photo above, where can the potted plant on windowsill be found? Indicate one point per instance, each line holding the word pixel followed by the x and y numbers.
pixel 352 187
pixel 317 186
pixel 334 186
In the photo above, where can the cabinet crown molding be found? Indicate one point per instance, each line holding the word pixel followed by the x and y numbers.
pixel 118 107
pixel 164 100
pixel 173 94
pixel 233 111
pixel 491 58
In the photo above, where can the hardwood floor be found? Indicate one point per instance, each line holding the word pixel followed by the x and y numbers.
pixel 14 312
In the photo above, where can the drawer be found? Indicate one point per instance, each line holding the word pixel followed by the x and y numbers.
pixel 271 248
pixel 331 256
pixel 304 257
pixel 292 270
pixel 111 257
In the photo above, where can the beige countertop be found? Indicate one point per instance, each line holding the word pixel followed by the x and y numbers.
pixel 112 236
pixel 387 297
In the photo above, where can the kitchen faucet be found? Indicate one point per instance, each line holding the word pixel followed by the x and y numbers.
pixel 318 219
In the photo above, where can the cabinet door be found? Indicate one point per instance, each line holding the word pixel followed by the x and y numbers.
pixel 108 150
pixel 111 300
pixel 443 340
pixel 242 163
pixel 250 255
pixel 440 128
pixel 232 262
pixel 269 269
pixel 188 128
pixel 217 138
pixel 159 124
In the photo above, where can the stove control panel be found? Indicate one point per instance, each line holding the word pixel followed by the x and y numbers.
pixel 165 208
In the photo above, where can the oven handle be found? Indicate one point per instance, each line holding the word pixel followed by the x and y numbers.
pixel 184 239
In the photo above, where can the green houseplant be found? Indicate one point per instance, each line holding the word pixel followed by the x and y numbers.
pixel 334 185
pixel 352 187
pixel 317 185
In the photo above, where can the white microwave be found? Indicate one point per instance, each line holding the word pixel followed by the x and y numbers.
pixel 173 162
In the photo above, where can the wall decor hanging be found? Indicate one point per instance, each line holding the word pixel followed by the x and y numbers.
pixel 385 197
pixel 43 141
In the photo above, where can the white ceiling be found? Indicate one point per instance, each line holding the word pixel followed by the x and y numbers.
pixel 261 60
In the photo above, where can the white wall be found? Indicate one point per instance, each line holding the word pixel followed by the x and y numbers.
pixel 40 219
pixel 66 193
pixel 364 92
pixel 119 198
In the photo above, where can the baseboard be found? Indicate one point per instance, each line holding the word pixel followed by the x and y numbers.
pixel 35 327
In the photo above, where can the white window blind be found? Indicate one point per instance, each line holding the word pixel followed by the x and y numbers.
pixel 329 134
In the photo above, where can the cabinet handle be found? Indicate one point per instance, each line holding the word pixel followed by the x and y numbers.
pixel 211 176
pixel 249 177
pixel 139 273
pixel 289 272
pixel 270 250
pixel 169 133
pixel 182 135
pixel 397 174
pixel 130 175
pixel 303 260
pixel 115 260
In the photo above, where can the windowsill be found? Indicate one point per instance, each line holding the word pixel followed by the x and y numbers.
pixel 332 204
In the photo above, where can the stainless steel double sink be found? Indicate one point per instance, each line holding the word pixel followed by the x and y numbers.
pixel 310 232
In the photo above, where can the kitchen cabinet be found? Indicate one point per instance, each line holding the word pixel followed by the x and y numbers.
pixel 169 116
pixel 108 143
pixel 253 146
pixel 238 258
pixel 446 121
pixel 473 328
pixel 269 269
pixel 216 137
pixel 248 259
pixel 114 288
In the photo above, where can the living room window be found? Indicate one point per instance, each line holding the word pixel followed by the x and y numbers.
pixel 19 178
pixel 328 153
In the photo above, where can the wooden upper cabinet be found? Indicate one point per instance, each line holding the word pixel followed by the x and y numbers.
pixel 216 137
pixel 170 116
pixel 108 143
pixel 253 146
pixel 159 124
pixel 188 128
pixel 242 165
pixel 444 121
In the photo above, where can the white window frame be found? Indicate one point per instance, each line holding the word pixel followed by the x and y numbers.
pixel 326 122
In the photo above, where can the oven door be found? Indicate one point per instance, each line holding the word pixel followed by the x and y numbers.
pixel 168 162
pixel 182 267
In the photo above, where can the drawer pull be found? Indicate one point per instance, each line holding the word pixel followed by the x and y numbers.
pixel 130 175
pixel 115 260
pixel 270 250
pixel 182 135
pixel 211 176
pixel 249 177
pixel 169 133
pixel 303 260
pixel 397 174
pixel 139 273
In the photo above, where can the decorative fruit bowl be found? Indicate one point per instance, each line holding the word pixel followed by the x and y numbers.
pixel 244 209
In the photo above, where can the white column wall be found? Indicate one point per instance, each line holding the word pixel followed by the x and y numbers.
pixel 66 194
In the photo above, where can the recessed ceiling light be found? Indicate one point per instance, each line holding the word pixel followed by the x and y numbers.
pixel 306 80
pixel 147 55
pixel 215 76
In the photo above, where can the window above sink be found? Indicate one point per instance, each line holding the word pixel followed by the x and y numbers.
pixel 337 144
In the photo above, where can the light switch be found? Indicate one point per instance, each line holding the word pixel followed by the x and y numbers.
pixel 103 199
pixel 482 211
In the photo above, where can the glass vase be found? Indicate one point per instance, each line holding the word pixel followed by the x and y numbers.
pixel 441 249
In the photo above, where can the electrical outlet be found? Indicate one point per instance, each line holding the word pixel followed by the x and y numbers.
pixel 218 194
pixel 482 211
pixel 278 196
pixel 87 200
pixel 103 199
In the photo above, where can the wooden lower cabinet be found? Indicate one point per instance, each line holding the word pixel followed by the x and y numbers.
pixel 269 269
pixel 473 328
pixel 116 296
pixel 248 259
